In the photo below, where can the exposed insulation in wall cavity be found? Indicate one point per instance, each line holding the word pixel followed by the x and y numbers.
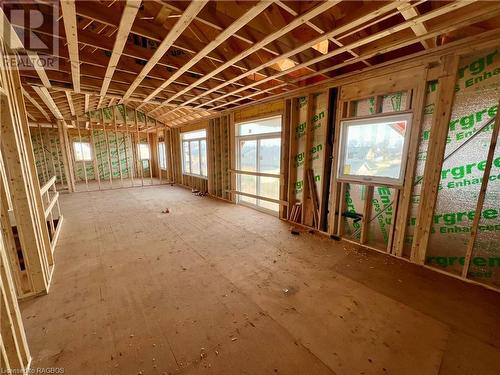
pixel 475 104
pixel 48 155
pixel 317 152
pixel 120 148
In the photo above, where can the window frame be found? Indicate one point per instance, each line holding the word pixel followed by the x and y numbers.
pixel 139 151
pixel 198 140
pixel 83 160
pixel 162 143
pixel 239 172
pixel 365 120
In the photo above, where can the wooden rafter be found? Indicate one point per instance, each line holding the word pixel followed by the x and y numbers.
pixel 333 33
pixel 44 94
pixel 257 46
pixel 364 41
pixel 70 103
pixel 419 28
pixel 69 18
pixel 129 13
pixel 452 24
pixel 35 103
pixel 16 45
pixel 228 32
pixel 240 58
pixel 174 33
pixel 319 30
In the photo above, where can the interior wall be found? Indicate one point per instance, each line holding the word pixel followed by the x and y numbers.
pixel 48 155
pixel 308 152
pixel 468 142
pixel 114 140
pixel 392 213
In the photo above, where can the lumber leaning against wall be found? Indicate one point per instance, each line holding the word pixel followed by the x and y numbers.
pixel 309 130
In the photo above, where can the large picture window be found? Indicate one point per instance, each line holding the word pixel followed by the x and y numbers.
pixel 373 150
pixel 194 153
pixel 258 162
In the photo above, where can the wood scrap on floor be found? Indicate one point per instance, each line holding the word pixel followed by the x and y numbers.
pixel 314 197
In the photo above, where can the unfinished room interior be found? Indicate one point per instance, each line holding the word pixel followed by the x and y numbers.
pixel 249 187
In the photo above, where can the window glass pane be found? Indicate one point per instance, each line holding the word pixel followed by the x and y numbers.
pixel 248 156
pixel 247 184
pixel 82 151
pixel 374 147
pixel 195 157
pixel 203 156
pixel 161 155
pixel 269 205
pixel 144 151
pixel 185 157
pixel 269 125
pixel 269 155
pixel 194 135
pixel 269 187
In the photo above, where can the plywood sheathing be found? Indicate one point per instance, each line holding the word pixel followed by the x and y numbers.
pixel 210 272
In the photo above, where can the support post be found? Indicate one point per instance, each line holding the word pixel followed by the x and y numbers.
pixel 435 156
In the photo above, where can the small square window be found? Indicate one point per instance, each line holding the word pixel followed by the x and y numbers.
pixel 144 151
pixel 83 151
pixel 374 150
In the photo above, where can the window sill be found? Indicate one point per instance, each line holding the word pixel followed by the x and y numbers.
pixel 195 175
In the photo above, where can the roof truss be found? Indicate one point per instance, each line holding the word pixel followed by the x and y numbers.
pixel 182 61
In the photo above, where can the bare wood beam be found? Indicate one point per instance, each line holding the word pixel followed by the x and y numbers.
pixel 128 17
pixel 69 17
pixel 15 44
pixel 44 94
pixel 87 102
pixel 70 103
pixel 35 103
pixel 319 30
pixel 192 10
pixel 336 31
pixel 292 25
pixel 224 35
pixel 435 157
pixel 404 25
pixel 419 28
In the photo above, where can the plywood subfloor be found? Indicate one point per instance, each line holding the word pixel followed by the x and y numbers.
pixel 213 288
pixel 116 183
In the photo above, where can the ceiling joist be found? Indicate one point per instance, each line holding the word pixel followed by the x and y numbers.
pixel 69 18
pixel 183 61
